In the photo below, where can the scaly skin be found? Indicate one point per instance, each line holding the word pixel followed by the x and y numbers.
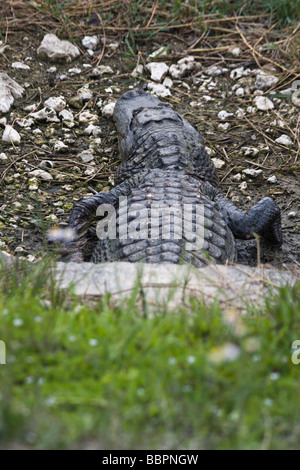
pixel 164 162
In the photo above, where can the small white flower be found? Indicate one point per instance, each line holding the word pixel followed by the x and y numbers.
pixel 191 359
pixel 29 380
pixel 72 338
pixel 37 319
pixel 93 342
pixel 274 376
pixel 268 402
pixel 18 322
pixel 172 360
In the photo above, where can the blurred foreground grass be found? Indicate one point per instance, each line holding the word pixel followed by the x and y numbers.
pixel 80 373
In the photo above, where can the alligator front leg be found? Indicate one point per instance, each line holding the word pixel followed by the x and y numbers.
pixel 262 219
pixel 72 238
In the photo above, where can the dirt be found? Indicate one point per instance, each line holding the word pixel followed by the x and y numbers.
pixel 23 225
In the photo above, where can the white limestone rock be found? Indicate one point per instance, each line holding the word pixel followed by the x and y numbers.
pixel 158 70
pixel 90 42
pixel 101 70
pixel 182 68
pixel 20 66
pixel 159 90
pixel 263 103
pixel 265 80
pixel 10 135
pixel 57 50
pixel 284 140
pixel 45 114
pixel 9 91
pixel 42 174
pixel 251 172
pixel 223 115
pixel 57 103
pixel 108 109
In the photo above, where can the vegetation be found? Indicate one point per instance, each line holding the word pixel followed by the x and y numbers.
pixel 104 375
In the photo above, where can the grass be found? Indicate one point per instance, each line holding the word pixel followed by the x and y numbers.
pixel 104 373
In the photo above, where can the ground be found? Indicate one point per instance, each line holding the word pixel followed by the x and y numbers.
pixel 26 213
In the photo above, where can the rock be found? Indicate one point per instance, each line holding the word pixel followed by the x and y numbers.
pixel 272 179
pixel 160 52
pixel 46 164
pixel 92 130
pixel 284 140
pixel 86 156
pixel 25 122
pixel 263 103
pixel 44 175
pixel 108 109
pixel 265 80
pixel 90 42
pixel 74 71
pixel 158 70
pixel 252 173
pixel 6 259
pixel 224 115
pixel 237 73
pixel 60 146
pixel 159 90
pixel 236 285
pixel 240 91
pixel 66 115
pixel 85 94
pixel 3 157
pixel 138 70
pixel 296 98
pixel 55 49
pixel 243 186
pixel 57 103
pixel 87 117
pixel 101 70
pixel 182 67
pixel 214 71
pixel 9 90
pixel 45 114
pixel 168 82
pixel 249 151
pixel 20 66
pixel 218 163
pixel 237 177
pixel 292 214
pixel 224 126
pixel 235 51
pixel 11 135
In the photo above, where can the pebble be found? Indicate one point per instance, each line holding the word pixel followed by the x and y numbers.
pixel 92 130
pixel 90 42
pixel 57 103
pixel 66 115
pixel 85 94
pixel 60 146
pixel 54 49
pixel 138 70
pixel 44 175
pixel 101 70
pixel 237 177
pixel 9 91
pixel 224 115
pixel 237 73
pixel 108 109
pixel 243 186
pixel 3 156
pixel 240 91
pixel 265 80
pixel 252 151
pixel 20 66
pixel 182 67
pixel 87 117
pixel 45 114
pixel 284 140
pixel 159 90
pixel 168 82
pixel 218 163
pixel 224 126
pixel 292 214
pixel 214 71
pixel 252 173
pixel 272 179
pixel 235 51
pixel 10 135
pixel 86 156
pixel 25 122
pixel 74 71
pixel 161 51
pixel 158 70
pixel 263 103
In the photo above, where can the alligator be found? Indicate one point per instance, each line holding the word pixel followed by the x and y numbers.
pixel 164 165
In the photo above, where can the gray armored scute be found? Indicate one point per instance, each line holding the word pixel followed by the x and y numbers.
pixel 165 207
